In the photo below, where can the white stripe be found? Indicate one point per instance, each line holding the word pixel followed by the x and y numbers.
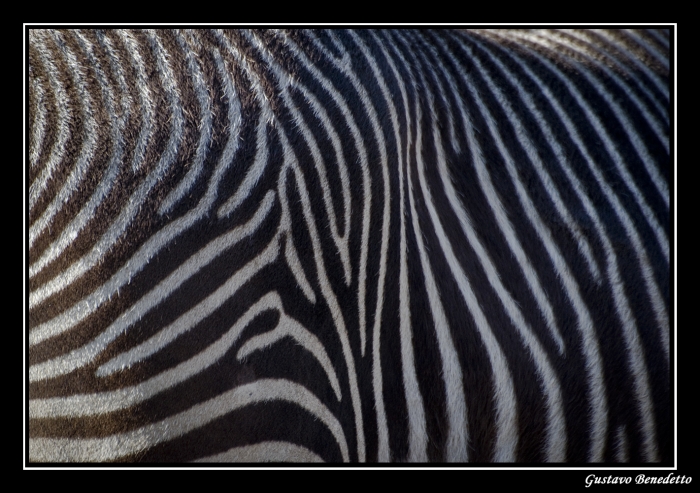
pixel 556 428
pixel 386 213
pixel 255 171
pixel 290 162
pixel 556 434
pixel 204 124
pixel 345 67
pixel 285 83
pixel 292 258
pixel 146 105
pixel 288 327
pixel 326 289
pixel 653 290
pixel 622 63
pixel 96 403
pixel 621 448
pixel 386 219
pixel 321 113
pixel 37 108
pixel 117 71
pixel 82 405
pixel 38 186
pixel 80 357
pixel 624 312
pixel 190 319
pixel 168 285
pixel 638 144
pixel 81 165
pixel 87 212
pixel 168 80
pixel 82 309
pixel 265 452
pixel 418 436
pixel 506 418
pixel 257 168
pixel 134 203
pixel 652 50
pixel 656 34
pixel 458 434
pixel 644 109
pixel 539 167
pixel 141 439
pixel 505 225
pixel 591 348
pixel 663 34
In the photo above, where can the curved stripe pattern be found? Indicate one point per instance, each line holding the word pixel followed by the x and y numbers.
pixel 333 246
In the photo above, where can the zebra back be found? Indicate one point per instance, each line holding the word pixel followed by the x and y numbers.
pixel 352 245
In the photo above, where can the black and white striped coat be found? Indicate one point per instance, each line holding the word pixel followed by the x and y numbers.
pixel 348 246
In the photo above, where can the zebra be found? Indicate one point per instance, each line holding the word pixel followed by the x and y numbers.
pixel 348 245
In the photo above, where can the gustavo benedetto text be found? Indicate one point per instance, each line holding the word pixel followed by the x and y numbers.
pixel 592 479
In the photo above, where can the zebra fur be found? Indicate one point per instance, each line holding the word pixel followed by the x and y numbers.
pixel 349 245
